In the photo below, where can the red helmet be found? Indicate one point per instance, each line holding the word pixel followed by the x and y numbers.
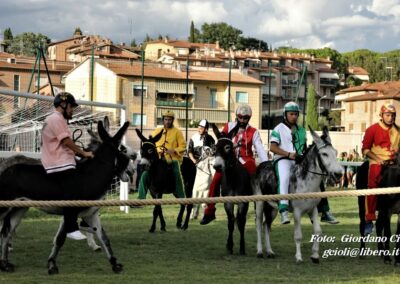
pixel 387 108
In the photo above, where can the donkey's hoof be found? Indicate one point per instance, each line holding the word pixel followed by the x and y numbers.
pixel 152 229
pixel 184 227
pixel 163 230
pixel 270 255
pixel 7 267
pixel 242 252
pixel 52 270
pixel 315 260
pixel 299 260
pixel 260 255
pixel 387 260
pixel 118 268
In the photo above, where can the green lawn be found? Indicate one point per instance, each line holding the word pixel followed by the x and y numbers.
pixel 197 255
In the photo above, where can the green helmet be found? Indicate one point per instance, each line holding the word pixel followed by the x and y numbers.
pixel 290 106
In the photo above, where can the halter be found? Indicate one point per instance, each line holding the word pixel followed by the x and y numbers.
pixel 321 165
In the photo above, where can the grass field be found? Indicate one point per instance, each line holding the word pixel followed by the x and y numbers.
pixel 197 255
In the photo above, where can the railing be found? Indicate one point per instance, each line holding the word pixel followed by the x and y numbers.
pixel 173 103
pixel 213 115
pixel 328 82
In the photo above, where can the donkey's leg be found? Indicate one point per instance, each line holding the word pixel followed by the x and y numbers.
pixel 270 214
pixel 180 216
pixel 383 230
pixel 95 223
pixel 241 221
pixel 361 215
pixel 11 222
pixel 162 220
pixel 90 232
pixel 259 226
pixel 231 226
pixel 316 231
pixel 397 254
pixel 297 234
pixel 58 242
pixel 155 215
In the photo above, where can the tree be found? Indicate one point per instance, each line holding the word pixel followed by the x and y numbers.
pixel 311 114
pixel 225 34
pixel 192 36
pixel 252 43
pixel 27 43
pixel 133 43
pixel 78 31
pixel 8 37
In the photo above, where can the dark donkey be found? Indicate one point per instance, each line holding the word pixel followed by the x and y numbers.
pixel 92 181
pixel 161 180
pixel 387 205
pixel 235 182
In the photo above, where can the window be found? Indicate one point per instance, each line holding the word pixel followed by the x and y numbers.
pixel 16 88
pixel 16 83
pixel 213 98
pixel 351 108
pixel 136 119
pixel 137 91
pixel 363 127
pixel 242 97
pixel 351 126
pixel 366 107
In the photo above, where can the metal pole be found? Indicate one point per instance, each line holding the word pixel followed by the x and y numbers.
pixel 269 97
pixel 38 73
pixel 305 95
pixel 142 99
pixel 229 89
pixel 187 96
pixel 47 71
pixel 91 74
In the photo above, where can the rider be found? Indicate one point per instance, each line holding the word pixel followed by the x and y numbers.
pixel 288 142
pixel 58 155
pixel 170 147
pixel 246 137
pixel 380 144
pixel 198 140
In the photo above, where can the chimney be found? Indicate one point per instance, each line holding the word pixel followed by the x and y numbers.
pixel 217 44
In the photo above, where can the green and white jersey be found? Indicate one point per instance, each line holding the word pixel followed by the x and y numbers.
pixel 287 139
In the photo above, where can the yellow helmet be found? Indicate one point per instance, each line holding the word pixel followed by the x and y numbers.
pixel 169 114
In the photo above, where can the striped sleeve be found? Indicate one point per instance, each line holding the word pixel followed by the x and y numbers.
pixel 275 137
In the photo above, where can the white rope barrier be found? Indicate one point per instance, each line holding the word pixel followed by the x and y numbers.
pixel 226 199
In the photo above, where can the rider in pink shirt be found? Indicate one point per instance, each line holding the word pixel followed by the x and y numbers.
pixel 58 156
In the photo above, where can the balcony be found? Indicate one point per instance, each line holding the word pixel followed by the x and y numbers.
pixel 173 103
pixel 212 115
pixel 328 82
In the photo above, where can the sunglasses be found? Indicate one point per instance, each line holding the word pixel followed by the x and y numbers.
pixel 243 116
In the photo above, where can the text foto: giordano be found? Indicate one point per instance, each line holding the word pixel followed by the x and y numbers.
pixel 368 239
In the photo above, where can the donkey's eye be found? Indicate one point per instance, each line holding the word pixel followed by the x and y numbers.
pixel 150 151
pixel 227 148
pixel 325 154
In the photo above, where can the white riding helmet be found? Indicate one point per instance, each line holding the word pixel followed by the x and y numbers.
pixel 290 106
pixel 244 110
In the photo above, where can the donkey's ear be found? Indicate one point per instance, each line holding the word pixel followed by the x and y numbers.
pixel 102 132
pixel 234 131
pixel 314 135
pixel 140 135
pixel 157 137
pixel 106 122
pixel 325 135
pixel 216 131
pixel 121 132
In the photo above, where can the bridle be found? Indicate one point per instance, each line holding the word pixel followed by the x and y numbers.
pixel 324 172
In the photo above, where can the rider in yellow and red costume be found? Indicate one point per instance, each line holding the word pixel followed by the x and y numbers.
pixel 380 144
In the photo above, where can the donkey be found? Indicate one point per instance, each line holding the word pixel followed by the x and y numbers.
pixel 235 182
pixel 264 182
pixel 204 174
pixel 306 176
pixel 387 205
pixel 93 179
pixel 162 180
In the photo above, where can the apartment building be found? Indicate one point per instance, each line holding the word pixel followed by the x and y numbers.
pixel 166 89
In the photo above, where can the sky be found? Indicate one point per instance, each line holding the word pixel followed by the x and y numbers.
pixel 344 25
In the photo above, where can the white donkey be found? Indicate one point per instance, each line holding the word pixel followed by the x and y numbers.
pixel 319 161
pixel 204 174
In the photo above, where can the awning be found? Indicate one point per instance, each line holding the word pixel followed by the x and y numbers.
pixel 329 75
